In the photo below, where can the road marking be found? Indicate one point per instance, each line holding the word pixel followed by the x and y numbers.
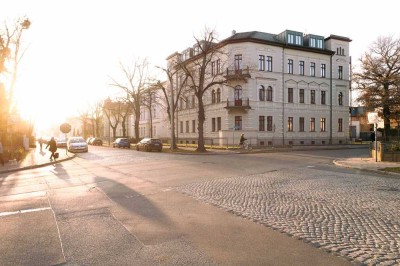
pixel 2 214
pixel 311 166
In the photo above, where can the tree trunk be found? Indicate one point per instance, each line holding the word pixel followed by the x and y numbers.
pixel 386 121
pixel 200 128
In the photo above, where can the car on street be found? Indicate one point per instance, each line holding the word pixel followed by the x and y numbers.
pixel 121 143
pixel 77 144
pixel 149 144
pixel 61 143
pixel 96 142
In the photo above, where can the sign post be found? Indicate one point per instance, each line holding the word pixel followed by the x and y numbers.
pixel 373 118
pixel 65 128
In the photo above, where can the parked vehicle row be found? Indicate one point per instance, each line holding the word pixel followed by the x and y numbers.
pixel 121 143
pixel 149 144
pixel 94 141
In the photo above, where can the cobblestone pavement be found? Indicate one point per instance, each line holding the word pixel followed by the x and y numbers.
pixel 354 216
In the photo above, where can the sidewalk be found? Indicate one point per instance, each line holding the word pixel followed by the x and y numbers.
pixel 368 164
pixel 34 159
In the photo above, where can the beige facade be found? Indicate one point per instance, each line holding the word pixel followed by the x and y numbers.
pixel 284 89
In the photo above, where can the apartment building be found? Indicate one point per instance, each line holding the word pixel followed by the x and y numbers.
pixel 282 89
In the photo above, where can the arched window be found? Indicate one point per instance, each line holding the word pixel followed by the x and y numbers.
pixel 340 98
pixel 218 95
pixel 213 96
pixel 269 94
pixel 261 93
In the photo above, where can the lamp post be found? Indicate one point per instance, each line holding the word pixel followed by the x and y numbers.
pixel 374 119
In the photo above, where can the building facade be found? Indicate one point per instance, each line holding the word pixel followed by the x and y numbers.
pixel 281 89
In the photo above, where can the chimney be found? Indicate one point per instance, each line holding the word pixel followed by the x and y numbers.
pixel 233 32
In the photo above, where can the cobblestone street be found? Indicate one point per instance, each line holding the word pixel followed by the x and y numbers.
pixel 354 216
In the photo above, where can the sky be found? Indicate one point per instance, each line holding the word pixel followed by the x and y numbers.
pixel 74 47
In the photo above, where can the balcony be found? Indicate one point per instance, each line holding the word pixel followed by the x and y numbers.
pixel 238 104
pixel 237 74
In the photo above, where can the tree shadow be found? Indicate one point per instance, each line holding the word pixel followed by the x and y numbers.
pixel 131 200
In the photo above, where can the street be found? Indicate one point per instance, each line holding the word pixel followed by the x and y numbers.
pixel 115 206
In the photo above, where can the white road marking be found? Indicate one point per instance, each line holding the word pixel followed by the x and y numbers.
pixel 2 214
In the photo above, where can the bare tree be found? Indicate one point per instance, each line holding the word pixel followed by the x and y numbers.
pixel 11 55
pixel 150 99
pixel 85 120
pixel 96 117
pixel 379 78
pixel 200 78
pixel 112 110
pixel 136 78
pixel 172 91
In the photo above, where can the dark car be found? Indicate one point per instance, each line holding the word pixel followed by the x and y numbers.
pixel 149 144
pixel 96 142
pixel 122 143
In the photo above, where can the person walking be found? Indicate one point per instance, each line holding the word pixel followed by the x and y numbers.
pixel 1 154
pixel 53 148
pixel 41 143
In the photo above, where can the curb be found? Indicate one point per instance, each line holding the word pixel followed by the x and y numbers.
pixel 35 165
pixel 382 172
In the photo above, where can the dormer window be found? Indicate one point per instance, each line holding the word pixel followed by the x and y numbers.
pixel 298 40
pixel 312 42
pixel 320 44
pixel 290 38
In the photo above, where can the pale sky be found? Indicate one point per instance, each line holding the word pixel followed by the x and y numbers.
pixel 75 45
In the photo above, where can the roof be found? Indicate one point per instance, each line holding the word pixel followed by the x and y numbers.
pixel 269 38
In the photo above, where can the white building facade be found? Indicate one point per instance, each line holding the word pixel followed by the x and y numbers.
pixel 282 89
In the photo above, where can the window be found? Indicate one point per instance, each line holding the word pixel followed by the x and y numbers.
pixel 193 126
pixel 312 124
pixel 238 123
pixel 219 123
pixel 312 42
pixel 218 66
pixel 301 124
pixel 301 68
pixel 269 63
pixel 290 123
pixel 213 68
pixel 213 124
pixel 269 94
pixel 340 125
pixel 187 126
pixel 340 70
pixel 319 44
pixel 269 123
pixel 238 95
pixel 323 70
pixel 261 123
pixel 339 51
pixel 290 38
pixel 312 69
pixel 340 98
pixel 301 95
pixel 218 95
pixel 238 62
pixel 323 97
pixel 298 39
pixel 323 125
pixel 312 96
pixel 290 95
pixel 181 126
pixel 213 96
pixel 261 93
pixel 290 66
pixel 261 62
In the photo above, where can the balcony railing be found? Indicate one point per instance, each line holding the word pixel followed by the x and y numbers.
pixel 241 74
pixel 239 104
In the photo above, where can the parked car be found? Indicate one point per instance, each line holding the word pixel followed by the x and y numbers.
pixel 96 142
pixel 149 144
pixel 61 143
pixel 122 143
pixel 89 140
pixel 77 144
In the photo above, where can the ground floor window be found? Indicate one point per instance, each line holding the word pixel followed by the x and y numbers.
pixel 269 123
pixel 340 125
pixel 323 124
pixel 238 123
pixel 261 123
pixel 301 124
pixel 219 123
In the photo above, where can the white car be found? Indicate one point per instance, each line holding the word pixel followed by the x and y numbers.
pixel 77 144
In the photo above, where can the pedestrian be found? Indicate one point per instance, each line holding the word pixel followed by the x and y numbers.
pixel 242 140
pixel 1 154
pixel 53 148
pixel 41 143
pixel 372 136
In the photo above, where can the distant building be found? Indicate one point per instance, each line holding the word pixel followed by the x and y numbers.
pixel 283 89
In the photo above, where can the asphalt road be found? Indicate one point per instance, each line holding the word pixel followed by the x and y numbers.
pixel 123 207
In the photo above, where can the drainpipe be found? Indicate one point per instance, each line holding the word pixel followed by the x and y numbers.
pixel 330 103
pixel 283 96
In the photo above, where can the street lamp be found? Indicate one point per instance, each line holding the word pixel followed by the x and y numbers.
pixel 373 118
